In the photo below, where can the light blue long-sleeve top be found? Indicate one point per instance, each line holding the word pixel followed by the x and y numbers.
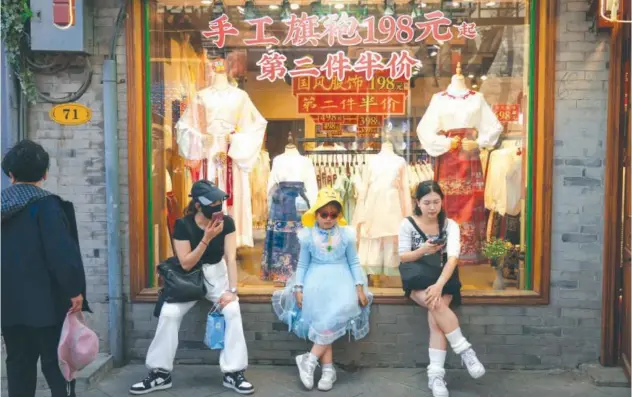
pixel 335 246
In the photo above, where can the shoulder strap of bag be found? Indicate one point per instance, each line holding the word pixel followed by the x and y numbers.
pixel 422 234
pixel 412 222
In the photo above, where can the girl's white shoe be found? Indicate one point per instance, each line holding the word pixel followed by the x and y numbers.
pixel 306 369
pixel 438 387
pixel 327 379
pixel 474 366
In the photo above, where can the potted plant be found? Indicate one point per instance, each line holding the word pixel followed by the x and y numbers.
pixel 496 250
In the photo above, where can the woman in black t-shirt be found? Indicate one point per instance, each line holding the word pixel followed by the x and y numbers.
pixel 205 237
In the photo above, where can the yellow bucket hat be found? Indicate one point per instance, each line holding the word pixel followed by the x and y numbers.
pixel 325 196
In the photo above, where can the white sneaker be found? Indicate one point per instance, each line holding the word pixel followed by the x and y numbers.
pixel 438 387
pixel 474 366
pixel 327 379
pixel 306 370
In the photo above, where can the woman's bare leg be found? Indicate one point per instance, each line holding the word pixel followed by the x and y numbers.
pixel 319 350
pixel 328 356
pixel 448 323
pixel 444 317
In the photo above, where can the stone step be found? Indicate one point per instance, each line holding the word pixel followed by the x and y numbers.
pixel 605 376
pixel 86 379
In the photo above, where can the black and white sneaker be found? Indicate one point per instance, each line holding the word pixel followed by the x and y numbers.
pixel 156 380
pixel 238 382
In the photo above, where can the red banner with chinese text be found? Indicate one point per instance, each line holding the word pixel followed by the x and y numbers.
pixel 331 127
pixel 353 82
pixel 379 104
pixel 370 121
pixel 368 132
pixel 507 113
pixel 335 118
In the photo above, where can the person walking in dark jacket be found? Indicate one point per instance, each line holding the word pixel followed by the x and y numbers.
pixel 42 272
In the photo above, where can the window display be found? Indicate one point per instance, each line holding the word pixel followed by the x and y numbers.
pixel 274 101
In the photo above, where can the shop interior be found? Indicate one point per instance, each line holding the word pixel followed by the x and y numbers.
pixel 181 63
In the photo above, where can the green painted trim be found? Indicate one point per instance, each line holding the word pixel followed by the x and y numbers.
pixel 529 205
pixel 150 206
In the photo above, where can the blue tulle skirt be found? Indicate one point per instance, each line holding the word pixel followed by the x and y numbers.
pixel 330 305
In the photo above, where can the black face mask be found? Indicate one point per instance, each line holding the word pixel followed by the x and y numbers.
pixel 209 210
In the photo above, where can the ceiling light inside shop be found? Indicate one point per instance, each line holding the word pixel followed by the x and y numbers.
pixel 250 11
pixel 273 7
pixel 286 10
pixel 416 9
pixel 339 6
pixel 389 8
pixel 455 4
pixel 295 6
pixel 433 54
pixel 471 76
pixel 218 8
pixel 362 13
pixel 317 8
pixel 483 77
pixel 491 4
pixel 206 2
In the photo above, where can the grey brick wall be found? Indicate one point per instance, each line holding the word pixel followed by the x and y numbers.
pixel 77 155
pixel 562 334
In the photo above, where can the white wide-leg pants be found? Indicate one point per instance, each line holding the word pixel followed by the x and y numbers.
pixel 162 350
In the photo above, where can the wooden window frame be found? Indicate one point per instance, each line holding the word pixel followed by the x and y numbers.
pixel 541 173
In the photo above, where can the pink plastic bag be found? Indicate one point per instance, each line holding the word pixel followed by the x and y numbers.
pixel 78 346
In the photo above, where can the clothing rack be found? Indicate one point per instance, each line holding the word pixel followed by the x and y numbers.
pixel 361 151
pixel 341 139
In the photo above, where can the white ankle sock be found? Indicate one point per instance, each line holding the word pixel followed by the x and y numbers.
pixel 437 362
pixel 457 341
pixel 328 366
pixel 312 358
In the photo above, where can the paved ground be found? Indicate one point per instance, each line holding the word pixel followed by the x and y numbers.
pixel 205 381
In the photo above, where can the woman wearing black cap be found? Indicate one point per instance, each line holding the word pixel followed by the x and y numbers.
pixel 201 238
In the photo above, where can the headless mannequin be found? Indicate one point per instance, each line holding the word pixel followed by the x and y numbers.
pixel 290 148
pixel 220 80
pixel 457 87
pixel 387 147
pixel 379 280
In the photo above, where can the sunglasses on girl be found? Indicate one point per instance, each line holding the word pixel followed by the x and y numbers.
pixel 328 215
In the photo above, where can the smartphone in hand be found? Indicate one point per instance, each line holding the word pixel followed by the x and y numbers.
pixel 437 241
pixel 217 217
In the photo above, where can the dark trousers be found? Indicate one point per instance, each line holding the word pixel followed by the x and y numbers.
pixel 25 345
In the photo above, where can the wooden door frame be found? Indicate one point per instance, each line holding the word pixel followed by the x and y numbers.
pixel 613 203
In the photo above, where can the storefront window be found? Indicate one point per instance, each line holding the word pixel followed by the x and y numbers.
pixel 272 101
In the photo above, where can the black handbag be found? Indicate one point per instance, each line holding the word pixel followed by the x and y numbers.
pixel 180 285
pixel 423 271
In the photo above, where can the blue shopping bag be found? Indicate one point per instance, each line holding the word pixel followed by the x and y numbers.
pixel 215 329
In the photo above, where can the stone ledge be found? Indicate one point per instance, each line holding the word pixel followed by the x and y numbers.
pixel 605 376
pixel 86 379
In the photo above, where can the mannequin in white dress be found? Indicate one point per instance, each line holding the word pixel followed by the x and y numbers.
pixel 384 201
pixel 222 125
pixel 456 126
pixel 292 188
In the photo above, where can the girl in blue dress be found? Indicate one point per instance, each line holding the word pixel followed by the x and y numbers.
pixel 327 297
